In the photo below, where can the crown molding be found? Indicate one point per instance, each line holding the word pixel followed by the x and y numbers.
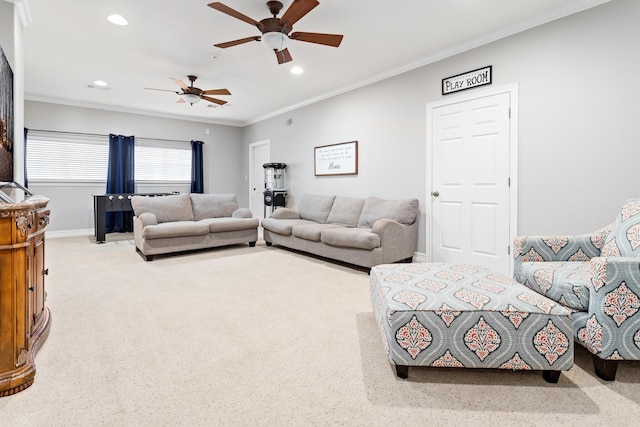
pixel 24 12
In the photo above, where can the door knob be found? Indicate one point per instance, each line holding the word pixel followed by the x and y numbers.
pixel 435 194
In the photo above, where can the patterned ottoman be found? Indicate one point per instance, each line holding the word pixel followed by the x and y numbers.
pixel 451 315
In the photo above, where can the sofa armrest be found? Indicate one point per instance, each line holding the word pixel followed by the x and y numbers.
pixel 607 273
pixel 614 308
pixel 242 213
pixel 285 213
pixel 398 241
pixel 147 218
pixel 554 248
pixel 139 223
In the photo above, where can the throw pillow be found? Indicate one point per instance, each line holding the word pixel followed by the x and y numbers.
pixel 402 211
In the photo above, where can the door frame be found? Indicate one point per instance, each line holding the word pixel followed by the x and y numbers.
pixel 252 179
pixel 512 90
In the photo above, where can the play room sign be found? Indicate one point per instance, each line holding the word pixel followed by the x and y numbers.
pixel 468 80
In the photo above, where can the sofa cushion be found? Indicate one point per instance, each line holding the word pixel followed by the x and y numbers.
pixel 230 224
pixel 346 211
pixel 624 238
pixel 242 213
pixel 282 226
pixel 311 231
pixel 285 213
pixel 315 208
pixel 175 229
pixel 347 237
pixel 403 211
pixel 563 282
pixel 166 208
pixel 213 205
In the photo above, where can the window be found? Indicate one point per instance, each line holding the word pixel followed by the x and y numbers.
pixel 66 157
pixel 164 161
pixel 69 157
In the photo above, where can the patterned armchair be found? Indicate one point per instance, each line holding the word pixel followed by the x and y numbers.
pixel 596 276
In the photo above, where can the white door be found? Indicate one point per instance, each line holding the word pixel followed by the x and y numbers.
pixel 259 154
pixel 470 196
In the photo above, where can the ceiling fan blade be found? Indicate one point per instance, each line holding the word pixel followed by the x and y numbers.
pixel 298 9
pixel 318 38
pixel 181 84
pixel 237 42
pixel 164 90
pixel 180 101
pixel 283 56
pixel 216 92
pixel 214 100
pixel 231 12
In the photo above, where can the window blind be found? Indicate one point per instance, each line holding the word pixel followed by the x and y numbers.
pixel 70 157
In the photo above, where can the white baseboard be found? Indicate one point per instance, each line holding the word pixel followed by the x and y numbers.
pixel 419 257
pixel 69 233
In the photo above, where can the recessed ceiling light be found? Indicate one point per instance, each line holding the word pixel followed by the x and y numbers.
pixel 100 83
pixel 297 70
pixel 117 19
pixel 95 86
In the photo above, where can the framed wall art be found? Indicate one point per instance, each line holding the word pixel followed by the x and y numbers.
pixel 6 119
pixel 336 159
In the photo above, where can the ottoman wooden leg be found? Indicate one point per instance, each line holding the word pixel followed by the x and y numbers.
pixel 551 376
pixel 402 371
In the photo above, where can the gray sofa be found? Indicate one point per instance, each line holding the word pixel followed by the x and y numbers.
pixel 359 231
pixel 182 222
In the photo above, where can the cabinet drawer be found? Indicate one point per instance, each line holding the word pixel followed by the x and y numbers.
pixel 42 219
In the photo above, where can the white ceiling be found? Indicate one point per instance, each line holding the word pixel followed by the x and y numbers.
pixel 69 44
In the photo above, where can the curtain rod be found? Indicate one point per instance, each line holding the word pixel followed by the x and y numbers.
pixel 98 134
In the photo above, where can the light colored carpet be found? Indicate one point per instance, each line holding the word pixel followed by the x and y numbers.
pixel 261 337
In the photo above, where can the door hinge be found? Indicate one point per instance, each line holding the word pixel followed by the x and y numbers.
pixel 508 250
pixel 509 182
pixel 509 112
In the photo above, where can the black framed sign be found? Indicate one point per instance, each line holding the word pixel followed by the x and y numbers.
pixel 468 80
pixel 336 159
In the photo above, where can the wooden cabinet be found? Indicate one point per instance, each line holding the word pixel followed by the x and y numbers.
pixel 24 316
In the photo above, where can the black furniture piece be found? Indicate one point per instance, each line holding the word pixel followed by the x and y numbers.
pixel 103 203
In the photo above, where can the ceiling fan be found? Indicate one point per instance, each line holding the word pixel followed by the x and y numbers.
pixel 275 31
pixel 193 94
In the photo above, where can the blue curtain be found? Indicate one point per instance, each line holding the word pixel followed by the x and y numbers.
pixel 197 169
pixel 120 180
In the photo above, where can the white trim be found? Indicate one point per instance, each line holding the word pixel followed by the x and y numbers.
pixel 24 12
pixel 512 90
pixel 252 184
pixel 69 233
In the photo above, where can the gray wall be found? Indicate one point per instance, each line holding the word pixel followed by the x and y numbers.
pixel 578 123
pixel 72 205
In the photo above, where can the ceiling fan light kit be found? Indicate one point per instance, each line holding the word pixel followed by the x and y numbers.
pixel 191 98
pixel 275 40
